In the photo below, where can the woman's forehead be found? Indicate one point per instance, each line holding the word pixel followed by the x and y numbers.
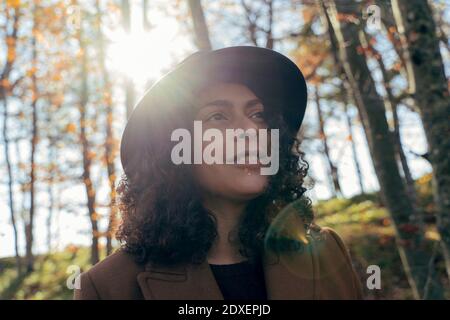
pixel 223 93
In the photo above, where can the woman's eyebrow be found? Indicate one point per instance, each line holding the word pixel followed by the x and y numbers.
pixel 218 103
pixel 254 102
pixel 227 103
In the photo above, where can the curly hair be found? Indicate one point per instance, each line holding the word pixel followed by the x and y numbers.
pixel 163 221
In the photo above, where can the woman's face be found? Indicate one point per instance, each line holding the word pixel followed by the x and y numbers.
pixel 230 106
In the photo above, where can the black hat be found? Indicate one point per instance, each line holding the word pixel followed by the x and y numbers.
pixel 270 75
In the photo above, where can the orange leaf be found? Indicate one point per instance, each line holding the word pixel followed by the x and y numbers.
pixel 13 3
pixel 71 128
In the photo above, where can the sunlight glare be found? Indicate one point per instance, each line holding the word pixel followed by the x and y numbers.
pixel 144 55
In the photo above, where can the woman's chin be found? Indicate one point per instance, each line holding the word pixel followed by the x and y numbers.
pixel 234 182
pixel 250 187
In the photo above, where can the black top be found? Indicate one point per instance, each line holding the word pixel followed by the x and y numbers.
pixel 240 281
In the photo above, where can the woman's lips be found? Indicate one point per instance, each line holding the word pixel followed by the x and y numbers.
pixel 249 166
pixel 251 157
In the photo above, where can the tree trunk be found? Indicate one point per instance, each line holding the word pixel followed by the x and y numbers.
pixel 333 170
pixel 145 22
pixel 269 32
pixel 350 95
pixel 251 23
pixel 130 94
pixel 351 137
pixel 200 27
pixel 5 90
pixel 410 242
pixel 110 153
pixel 12 211
pixel 429 86
pixel 50 157
pixel 29 223
pixel 86 152
pixel 391 103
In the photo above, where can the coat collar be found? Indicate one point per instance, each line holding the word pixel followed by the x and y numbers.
pixel 287 277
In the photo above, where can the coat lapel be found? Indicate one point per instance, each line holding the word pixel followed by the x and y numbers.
pixel 287 277
pixel 187 282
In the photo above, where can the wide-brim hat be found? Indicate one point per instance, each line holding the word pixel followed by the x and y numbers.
pixel 273 77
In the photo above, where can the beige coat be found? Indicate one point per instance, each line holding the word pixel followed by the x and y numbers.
pixel 324 272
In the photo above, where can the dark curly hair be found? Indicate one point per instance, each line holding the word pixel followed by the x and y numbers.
pixel 163 221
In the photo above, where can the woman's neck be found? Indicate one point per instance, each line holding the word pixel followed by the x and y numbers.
pixel 228 214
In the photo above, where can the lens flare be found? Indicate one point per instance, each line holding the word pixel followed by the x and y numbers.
pixel 288 236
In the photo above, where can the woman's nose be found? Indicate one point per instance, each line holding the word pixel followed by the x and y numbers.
pixel 245 123
pixel 249 134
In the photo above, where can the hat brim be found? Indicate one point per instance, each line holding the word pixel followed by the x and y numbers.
pixel 272 76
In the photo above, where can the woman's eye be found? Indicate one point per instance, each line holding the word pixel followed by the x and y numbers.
pixel 258 115
pixel 216 117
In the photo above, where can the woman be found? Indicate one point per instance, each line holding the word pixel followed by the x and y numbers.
pixel 220 230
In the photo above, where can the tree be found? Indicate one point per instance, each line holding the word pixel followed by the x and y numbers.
pixel 130 94
pixel 110 145
pixel 29 222
pixel 415 258
pixel 318 65
pixel 87 153
pixel 200 27
pixel 429 86
pixel 6 87
pixel 391 103
pixel 254 26
pixel 335 186
pixel 145 21
pixel 351 137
